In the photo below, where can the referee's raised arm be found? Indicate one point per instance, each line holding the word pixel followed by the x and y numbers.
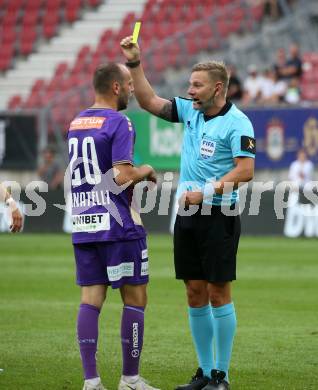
pixel 144 93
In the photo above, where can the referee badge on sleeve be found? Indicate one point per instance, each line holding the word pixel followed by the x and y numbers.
pixel 248 144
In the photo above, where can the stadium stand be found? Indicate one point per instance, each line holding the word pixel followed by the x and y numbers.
pixel 310 77
pixel 161 20
pixel 26 22
pixel 54 21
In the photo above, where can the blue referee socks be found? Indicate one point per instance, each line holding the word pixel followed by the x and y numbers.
pixel 224 327
pixel 201 326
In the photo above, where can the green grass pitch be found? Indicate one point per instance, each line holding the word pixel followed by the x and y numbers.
pixel 276 298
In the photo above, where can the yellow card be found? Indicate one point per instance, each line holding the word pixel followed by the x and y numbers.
pixel 136 32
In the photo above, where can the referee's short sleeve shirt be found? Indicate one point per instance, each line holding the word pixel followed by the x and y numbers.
pixel 210 145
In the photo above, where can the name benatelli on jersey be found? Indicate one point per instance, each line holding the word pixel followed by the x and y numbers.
pixel 90 198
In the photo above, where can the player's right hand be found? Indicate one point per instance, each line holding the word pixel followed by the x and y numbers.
pixel 130 50
pixel 17 219
pixel 153 177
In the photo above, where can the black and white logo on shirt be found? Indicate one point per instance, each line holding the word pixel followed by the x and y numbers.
pixel 207 148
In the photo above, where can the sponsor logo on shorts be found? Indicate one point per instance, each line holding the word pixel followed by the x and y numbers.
pixel 144 268
pixel 119 271
pixel 144 254
pixel 90 223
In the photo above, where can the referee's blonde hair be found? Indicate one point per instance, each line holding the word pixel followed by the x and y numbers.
pixel 216 70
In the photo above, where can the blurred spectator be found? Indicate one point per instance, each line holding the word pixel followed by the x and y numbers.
pixel 293 68
pixel 292 95
pixel 273 90
pixel 301 170
pixel 252 86
pixel 290 68
pixel 51 170
pixel 235 91
pixel 272 9
pixel 276 8
pixel 280 63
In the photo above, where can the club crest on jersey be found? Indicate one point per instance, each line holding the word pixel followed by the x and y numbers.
pixel 207 148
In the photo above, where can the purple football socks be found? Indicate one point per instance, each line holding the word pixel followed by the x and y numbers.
pixel 87 333
pixel 132 333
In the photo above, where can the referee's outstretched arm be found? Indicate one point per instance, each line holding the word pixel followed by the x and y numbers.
pixel 144 93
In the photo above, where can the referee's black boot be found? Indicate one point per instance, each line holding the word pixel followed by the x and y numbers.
pixel 198 381
pixel 217 381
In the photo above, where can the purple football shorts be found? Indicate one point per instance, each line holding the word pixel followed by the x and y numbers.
pixel 112 263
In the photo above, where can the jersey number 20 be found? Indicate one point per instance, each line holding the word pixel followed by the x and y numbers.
pixel 90 163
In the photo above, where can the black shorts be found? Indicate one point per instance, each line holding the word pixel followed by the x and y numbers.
pixel 205 246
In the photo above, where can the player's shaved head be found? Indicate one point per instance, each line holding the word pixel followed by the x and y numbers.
pixel 216 70
pixel 105 75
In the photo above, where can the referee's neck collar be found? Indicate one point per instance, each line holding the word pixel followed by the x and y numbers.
pixel 226 108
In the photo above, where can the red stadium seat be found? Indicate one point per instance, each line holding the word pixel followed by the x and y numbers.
pixel 10 18
pixel 9 36
pixel 28 35
pixel 309 92
pixel 191 45
pixel 26 47
pixel 38 85
pixel 222 27
pixel 94 3
pixel 34 5
pixel 107 35
pixel 15 5
pixel 30 18
pixel 72 10
pixel 6 57
pixel 158 62
pixel 84 52
pixel 51 17
pixel 53 4
pixel 61 69
pixel 258 12
pixel 15 102
pixel 50 23
pixel 5 62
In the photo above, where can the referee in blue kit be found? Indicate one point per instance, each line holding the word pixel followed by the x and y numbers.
pixel 218 153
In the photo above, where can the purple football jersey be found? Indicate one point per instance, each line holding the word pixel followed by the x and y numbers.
pixel 98 139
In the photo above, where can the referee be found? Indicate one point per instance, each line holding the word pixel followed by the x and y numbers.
pixel 218 153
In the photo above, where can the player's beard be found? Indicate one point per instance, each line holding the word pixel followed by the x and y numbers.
pixel 122 102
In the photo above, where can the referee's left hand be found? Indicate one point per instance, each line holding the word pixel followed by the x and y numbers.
pixel 193 197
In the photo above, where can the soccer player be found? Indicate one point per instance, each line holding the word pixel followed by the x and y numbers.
pixel 16 217
pixel 108 237
pixel 217 154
